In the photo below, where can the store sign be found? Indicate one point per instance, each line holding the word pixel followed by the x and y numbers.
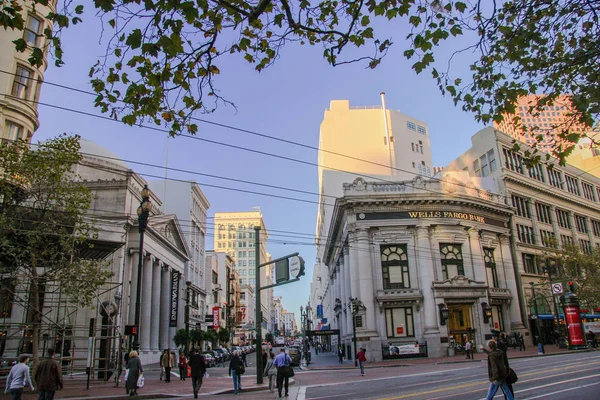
pixel 175 277
pixel 216 315
pixel 404 349
pixel 592 326
pixel 243 312
pixel 441 214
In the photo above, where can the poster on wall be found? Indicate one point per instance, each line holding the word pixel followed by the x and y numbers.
pixel 412 348
pixel 592 326
pixel 173 311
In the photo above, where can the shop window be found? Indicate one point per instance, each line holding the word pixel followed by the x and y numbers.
pixel 399 322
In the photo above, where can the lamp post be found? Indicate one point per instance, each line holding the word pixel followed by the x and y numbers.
pixel 355 304
pixel 537 320
pixel 188 290
pixel 548 269
pixel 143 212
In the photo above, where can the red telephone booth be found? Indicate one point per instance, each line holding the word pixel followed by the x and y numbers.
pixel 573 321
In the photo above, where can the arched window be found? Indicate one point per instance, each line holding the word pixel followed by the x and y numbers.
pixel 394 267
pixel 452 260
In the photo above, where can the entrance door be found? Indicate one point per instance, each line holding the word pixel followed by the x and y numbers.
pixel 460 323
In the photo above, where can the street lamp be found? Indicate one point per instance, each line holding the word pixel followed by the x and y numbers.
pixel 444 313
pixel 143 212
pixel 356 305
pixel 188 285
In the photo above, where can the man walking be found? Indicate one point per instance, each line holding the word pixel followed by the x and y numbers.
pixel 469 349
pixel 168 362
pixel 198 366
pixel 282 362
pixel 18 378
pixel 48 377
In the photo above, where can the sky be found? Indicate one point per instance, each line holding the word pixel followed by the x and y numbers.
pixel 287 100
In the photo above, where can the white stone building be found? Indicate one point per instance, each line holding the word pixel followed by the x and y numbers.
pixel 220 267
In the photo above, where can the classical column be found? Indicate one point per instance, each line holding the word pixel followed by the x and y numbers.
pixel 534 222
pixel 165 287
pixel 365 271
pixel 146 304
pixel 555 227
pixel 516 321
pixel 477 256
pixel 354 266
pixel 348 287
pixel 155 324
pixel 426 270
pixel 573 227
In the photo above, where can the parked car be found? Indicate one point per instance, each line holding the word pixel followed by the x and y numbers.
pixel 223 354
pixel 295 355
pixel 209 359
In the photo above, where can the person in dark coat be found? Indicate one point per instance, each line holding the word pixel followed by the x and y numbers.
pixel 134 365
pixel 265 357
pixel 198 366
pixel 48 377
pixel 235 371
pixel 497 371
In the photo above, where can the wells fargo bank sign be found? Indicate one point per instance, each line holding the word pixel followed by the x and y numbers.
pixel 440 214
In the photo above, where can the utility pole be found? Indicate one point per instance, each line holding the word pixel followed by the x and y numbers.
pixel 258 311
pixel 354 309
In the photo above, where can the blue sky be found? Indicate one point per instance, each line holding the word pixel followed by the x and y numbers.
pixel 287 100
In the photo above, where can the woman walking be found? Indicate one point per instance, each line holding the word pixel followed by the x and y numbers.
pixel 236 370
pixel 134 366
pixel 270 371
pixel 183 366
pixel 362 359
pixel 497 372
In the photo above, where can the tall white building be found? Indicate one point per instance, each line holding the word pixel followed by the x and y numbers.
pixel 187 201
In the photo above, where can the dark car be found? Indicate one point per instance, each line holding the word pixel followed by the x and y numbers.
pixel 294 354
pixel 209 359
pixel 223 354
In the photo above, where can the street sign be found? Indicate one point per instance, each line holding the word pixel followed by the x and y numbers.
pixel 282 271
pixel 557 288
pixel 296 266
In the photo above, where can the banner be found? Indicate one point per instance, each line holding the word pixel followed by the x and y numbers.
pixel 320 311
pixel 175 277
pixel 216 315
pixel 404 349
pixel 573 320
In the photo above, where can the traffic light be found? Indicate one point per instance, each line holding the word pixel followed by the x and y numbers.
pixel 354 306
pixel 572 286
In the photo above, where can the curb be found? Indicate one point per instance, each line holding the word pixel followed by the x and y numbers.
pixel 562 353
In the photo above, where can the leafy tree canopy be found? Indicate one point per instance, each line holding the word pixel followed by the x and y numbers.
pixel 162 56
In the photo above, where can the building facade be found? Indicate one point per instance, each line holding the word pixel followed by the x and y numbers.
pixel 187 201
pixel 234 235
pixel 20 85
pixel 554 205
pixel 221 269
pixel 412 249
pixel 245 332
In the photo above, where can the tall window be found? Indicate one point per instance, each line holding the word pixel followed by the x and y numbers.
pixel 522 206
pixel 596 228
pixel 525 234
pixel 529 264
pixel 490 267
pixel 32 31
pixel 492 160
pixel 566 240
pixel 394 267
pixel 580 224
pixel 22 83
pixel 572 185
pixel 548 238
pixel 588 191
pixel 543 213
pixel 14 132
pixel 399 322
pixel 554 177
pixel 562 217
pixel 452 260
pixel 513 161
pixel 585 246
pixel 536 173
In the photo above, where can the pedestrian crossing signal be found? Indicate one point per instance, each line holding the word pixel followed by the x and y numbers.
pixel 130 330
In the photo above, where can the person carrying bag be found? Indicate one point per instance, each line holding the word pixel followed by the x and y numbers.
pixel 271 371
pixel 284 371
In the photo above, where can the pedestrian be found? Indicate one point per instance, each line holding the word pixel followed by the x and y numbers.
pixel 265 357
pixel 48 377
pixel 469 349
pixel 135 370
pixel 340 355
pixel 282 362
pixel 497 371
pixel 244 358
pixel 198 365
pixel 162 369
pixel 236 370
pixel 362 359
pixel 18 378
pixel 521 340
pixel 501 346
pixel 270 371
pixel 168 362
pixel 183 365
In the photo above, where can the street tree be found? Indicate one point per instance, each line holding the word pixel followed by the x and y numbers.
pixel 224 335
pixel 44 230
pixel 181 338
pixel 163 58
pixel 583 268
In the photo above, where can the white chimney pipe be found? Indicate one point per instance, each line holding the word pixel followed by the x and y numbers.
pixel 387 131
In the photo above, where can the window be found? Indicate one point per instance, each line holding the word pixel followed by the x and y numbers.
pixel 536 173
pixel 543 213
pixel 452 261
pixel 242 296
pixel 394 267
pixel 586 246
pixel 572 185
pixel 580 224
pixel 413 146
pixel 215 277
pixel 399 322
pixel 477 167
pixel 566 240
pixel 421 130
pixel 7 290
pixel 411 125
pixel 529 264
pixel 554 178
pixel 596 228
pixel 563 218
pixel 485 170
pixel 588 191
pixel 522 206
pixel 548 238
pixel 14 133
pixel 32 31
pixel 22 83
pixel 513 161
pixel 525 234
pixel 421 146
pixel 490 267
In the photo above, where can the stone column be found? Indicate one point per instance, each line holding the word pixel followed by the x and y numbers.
pixel 574 231
pixel 145 318
pixel 348 292
pixel 555 227
pixel 537 236
pixel 516 321
pixel 354 266
pixel 165 286
pixel 477 256
pixel 426 267
pixel 365 271
pixel 155 296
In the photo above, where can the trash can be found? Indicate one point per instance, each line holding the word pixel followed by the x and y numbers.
pixel 450 351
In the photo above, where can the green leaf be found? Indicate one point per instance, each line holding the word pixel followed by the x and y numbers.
pixel 134 40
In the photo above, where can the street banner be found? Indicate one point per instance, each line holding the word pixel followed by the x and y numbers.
pixel 175 277
pixel 573 320
pixel 592 326
pixel 412 348
pixel 216 315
